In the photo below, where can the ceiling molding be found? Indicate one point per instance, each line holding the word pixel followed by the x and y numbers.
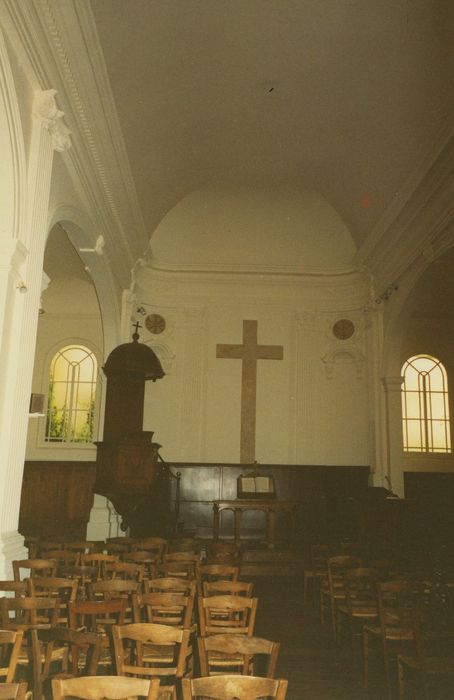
pixel 54 36
pixel 417 218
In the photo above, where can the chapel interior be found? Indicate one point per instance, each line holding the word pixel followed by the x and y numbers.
pixel 226 284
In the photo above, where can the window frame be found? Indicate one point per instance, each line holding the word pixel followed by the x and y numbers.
pixel 44 441
pixel 428 442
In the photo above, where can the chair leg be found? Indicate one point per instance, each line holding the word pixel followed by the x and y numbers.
pixel 387 671
pixel 401 678
pixel 365 659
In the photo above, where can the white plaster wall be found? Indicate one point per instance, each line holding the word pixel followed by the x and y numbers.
pixel 312 407
pixel 71 315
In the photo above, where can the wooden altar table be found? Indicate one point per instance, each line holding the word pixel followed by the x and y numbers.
pixel 269 506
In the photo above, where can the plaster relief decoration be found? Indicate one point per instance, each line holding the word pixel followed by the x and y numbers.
pixel 45 108
pixel 340 354
pixel 165 354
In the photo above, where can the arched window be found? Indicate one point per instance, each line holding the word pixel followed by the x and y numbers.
pixel 425 406
pixel 71 398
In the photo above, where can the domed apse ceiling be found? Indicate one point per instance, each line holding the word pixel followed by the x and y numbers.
pixel 348 96
pixel 283 230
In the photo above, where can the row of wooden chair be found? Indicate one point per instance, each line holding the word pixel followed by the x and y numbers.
pixel 387 611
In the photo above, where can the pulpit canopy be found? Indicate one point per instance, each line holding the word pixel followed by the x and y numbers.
pixel 134 358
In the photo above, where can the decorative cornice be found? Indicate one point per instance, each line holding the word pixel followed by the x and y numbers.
pixel 53 36
pixel 416 220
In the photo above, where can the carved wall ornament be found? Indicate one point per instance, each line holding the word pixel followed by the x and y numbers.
pixel 343 329
pixel 155 323
pixel 343 354
pixel 45 108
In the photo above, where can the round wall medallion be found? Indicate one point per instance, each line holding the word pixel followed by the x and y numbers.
pixel 155 323
pixel 343 329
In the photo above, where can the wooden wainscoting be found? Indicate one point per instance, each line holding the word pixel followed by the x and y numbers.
pixel 56 498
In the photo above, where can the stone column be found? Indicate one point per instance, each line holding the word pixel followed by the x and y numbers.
pixel 394 478
pixel 21 266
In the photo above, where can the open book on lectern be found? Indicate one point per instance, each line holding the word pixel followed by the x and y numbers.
pixel 255 486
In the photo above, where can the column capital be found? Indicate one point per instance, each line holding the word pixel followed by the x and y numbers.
pixel 393 383
pixel 45 109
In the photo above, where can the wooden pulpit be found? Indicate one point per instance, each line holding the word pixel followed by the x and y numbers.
pixel 128 471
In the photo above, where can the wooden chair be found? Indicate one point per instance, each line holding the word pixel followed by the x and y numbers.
pixel 318 570
pixel 104 688
pixel 210 588
pixel 55 587
pixel 227 614
pixel 63 557
pixel 361 603
pixel 81 546
pixel 183 544
pixel 334 592
pixel 432 660
pixel 114 589
pixel 218 572
pixel 98 559
pixel 170 584
pixel 397 608
pixel 10 646
pixel 180 564
pixel 13 691
pixel 125 570
pixel 148 560
pixel 99 616
pixel 156 545
pixel 19 588
pixel 76 653
pixel 30 615
pixel 165 609
pixel 237 653
pixel 34 567
pixel 145 649
pixel 44 545
pixel 116 548
pixel 223 553
pixel 233 688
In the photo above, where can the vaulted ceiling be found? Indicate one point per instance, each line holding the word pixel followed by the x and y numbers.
pixel 342 97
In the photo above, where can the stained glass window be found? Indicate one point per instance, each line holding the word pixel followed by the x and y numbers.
pixel 71 397
pixel 425 405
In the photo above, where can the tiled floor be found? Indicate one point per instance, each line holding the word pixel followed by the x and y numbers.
pixel 308 657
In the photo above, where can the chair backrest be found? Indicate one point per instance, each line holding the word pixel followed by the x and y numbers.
pixel 157 545
pixel 17 587
pixel 97 615
pixel 10 645
pixel 238 649
pixel 136 636
pixel 34 567
pixel 183 544
pixel 125 570
pixel 398 607
pixel 181 564
pixel 110 589
pixel 98 559
pixel 320 554
pixel 63 557
pixel 210 588
pixel 218 572
pixel 170 584
pixel 337 566
pixel 108 687
pixel 361 587
pixel 149 561
pixel 228 614
pixel 13 691
pixel 164 609
pixel 52 587
pixel 74 640
pixel 229 687
pixel 19 613
pixel 82 546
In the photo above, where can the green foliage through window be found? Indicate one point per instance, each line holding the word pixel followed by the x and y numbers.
pixel 71 396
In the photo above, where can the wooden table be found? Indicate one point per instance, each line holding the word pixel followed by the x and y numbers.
pixel 269 506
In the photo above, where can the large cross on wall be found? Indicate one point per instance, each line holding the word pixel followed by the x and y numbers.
pixel 249 352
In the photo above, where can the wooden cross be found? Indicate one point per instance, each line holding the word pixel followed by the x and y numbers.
pixel 249 352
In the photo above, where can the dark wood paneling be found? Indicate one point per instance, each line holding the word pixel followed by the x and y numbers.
pixel 322 494
pixel 56 498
